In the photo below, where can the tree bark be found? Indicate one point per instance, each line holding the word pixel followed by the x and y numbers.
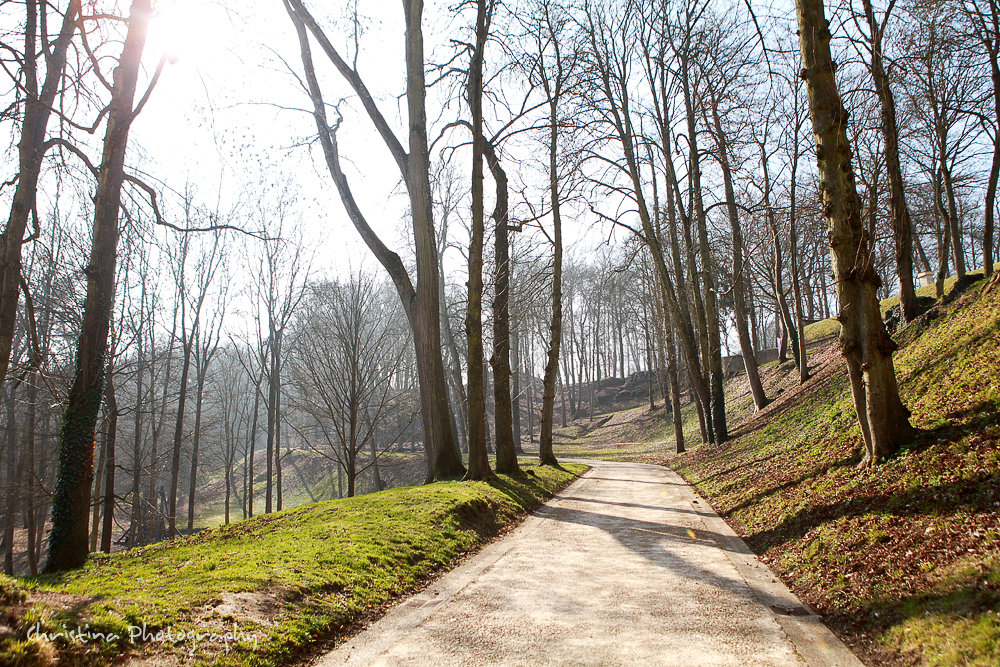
pixel 793 251
pixel 10 502
pixel 675 394
pixel 111 406
pixel 29 468
pixel 515 348
pixel 500 361
pixel 175 461
pixel 479 465
pixel 545 453
pixel 135 522
pixel 866 346
pixel 902 227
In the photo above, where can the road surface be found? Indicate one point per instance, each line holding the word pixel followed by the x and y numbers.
pixel 627 566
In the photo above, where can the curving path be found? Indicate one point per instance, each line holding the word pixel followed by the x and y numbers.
pixel 627 566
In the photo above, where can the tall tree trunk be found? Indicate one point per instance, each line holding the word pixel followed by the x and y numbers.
pixel 155 511
pixel 902 228
pixel 175 461
pixel 793 251
pixel 10 502
pixel 790 334
pixel 195 445
pixel 135 522
pixel 96 495
pixel 545 453
pixel 427 334
pixel 953 220
pixel 277 434
pixel 991 184
pixel 68 539
pixel 738 287
pixel 479 465
pixel 455 367
pixel 504 416
pixel 272 393
pixel 111 407
pixel 866 346
pixel 376 475
pixel 252 445
pixel 674 305
pixel 29 477
pixel 515 347
pixel 712 329
pixel 422 303
pixel 675 394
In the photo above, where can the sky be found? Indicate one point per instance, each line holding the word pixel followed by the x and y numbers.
pixel 228 115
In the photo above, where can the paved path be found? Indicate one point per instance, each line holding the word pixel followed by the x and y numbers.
pixel 625 567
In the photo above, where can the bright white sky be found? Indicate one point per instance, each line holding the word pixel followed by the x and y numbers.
pixel 228 114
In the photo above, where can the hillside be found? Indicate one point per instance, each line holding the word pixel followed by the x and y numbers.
pixel 903 559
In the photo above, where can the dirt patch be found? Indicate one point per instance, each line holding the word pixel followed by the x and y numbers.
pixel 261 608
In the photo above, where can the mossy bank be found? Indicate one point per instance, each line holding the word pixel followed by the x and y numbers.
pixel 262 590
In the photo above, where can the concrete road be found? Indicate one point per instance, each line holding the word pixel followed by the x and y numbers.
pixel 626 567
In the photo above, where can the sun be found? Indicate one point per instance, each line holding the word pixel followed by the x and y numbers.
pixel 182 30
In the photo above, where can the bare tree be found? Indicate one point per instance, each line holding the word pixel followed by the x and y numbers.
pixel 68 539
pixel 421 301
pixel 280 278
pixel 901 225
pixel 984 19
pixel 38 101
pixel 866 346
pixel 206 345
pixel 346 354
pixel 551 70
pixel 479 465
pixel 207 265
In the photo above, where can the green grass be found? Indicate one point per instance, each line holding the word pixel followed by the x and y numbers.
pixel 315 571
pixel 631 434
pixel 903 559
pixel 831 327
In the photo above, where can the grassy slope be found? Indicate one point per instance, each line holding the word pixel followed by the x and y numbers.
pixel 830 327
pixel 634 434
pixel 290 577
pixel 904 559
pixel 309 477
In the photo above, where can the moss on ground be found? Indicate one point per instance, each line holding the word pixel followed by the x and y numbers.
pixel 284 580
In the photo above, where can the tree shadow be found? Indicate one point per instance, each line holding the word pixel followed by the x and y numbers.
pixel 846 462
pixel 652 541
pixel 978 494
pixel 656 508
